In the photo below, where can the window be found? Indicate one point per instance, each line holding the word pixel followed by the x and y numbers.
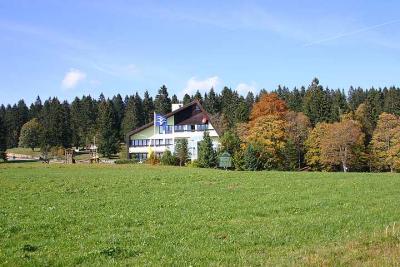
pixel 140 156
pixel 140 142
pixel 159 142
pixel 179 128
pixel 192 128
pixel 168 142
pixel 202 127
pixel 167 129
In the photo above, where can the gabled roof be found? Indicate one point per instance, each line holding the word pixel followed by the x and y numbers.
pixel 195 102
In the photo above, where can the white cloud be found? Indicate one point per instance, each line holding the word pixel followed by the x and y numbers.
pixel 72 78
pixel 244 88
pixel 194 84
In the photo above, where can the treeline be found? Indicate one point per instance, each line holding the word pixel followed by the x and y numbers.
pixel 314 108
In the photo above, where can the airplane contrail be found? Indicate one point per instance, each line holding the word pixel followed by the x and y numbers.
pixel 352 33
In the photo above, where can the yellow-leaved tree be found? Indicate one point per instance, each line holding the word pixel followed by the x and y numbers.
pixel 385 143
pixel 266 128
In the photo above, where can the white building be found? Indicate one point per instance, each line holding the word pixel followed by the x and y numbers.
pixel 184 122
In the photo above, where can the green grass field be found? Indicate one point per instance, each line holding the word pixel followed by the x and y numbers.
pixel 144 215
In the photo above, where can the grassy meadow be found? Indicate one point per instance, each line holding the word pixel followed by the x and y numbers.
pixel 68 215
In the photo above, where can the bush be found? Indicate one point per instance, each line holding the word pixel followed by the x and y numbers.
pixel 169 159
pixel 193 164
pixel 253 158
pixel 126 161
pixel 152 159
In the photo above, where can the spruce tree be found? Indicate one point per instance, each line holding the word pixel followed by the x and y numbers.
pixel 108 133
pixel 148 108
pixel 182 151
pixel 174 99
pixel 76 117
pixel 197 96
pixel 186 99
pixel 132 117
pixel 35 108
pixel 207 156
pixel 3 139
pixel 119 108
pixel 211 102
pixel 162 102
pixel 317 105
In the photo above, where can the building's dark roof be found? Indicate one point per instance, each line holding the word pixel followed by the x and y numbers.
pixel 195 102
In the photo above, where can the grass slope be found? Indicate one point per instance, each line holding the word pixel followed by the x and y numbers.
pixel 136 215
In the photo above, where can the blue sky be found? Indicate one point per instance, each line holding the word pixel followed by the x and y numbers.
pixel 68 48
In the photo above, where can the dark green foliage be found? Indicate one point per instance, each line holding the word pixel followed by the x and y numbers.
pixel 3 139
pixel 391 101
pixel 339 105
pixel 230 142
pixel 83 120
pixel 55 129
pixel 230 101
pixel 197 96
pixel 174 99
pixel 253 158
pixel 356 97
pixel 119 109
pixel 148 108
pixel 182 151
pixel 186 99
pixel 317 103
pixel 162 103
pixel 134 114
pixel 108 132
pixel 207 157
pixel 35 108
pixel 168 158
pixel 212 102
pixel 291 157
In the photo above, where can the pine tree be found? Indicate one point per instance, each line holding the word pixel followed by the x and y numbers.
pixel 162 102
pixel 253 157
pixel 148 108
pixel 52 119
pixel 119 108
pixel 66 138
pixel 356 97
pixel 207 157
pixel 3 139
pixel 174 99
pixel 132 117
pixel 198 96
pixel 76 116
pixel 186 99
pixel 108 133
pixel 317 105
pixel 182 151
pixel 250 100
pixel 391 101
pixel 35 108
pixel 211 102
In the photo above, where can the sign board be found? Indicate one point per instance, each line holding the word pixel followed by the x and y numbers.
pixel 225 160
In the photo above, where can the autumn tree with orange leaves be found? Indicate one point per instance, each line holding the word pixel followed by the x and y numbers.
pixel 342 144
pixel 266 129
